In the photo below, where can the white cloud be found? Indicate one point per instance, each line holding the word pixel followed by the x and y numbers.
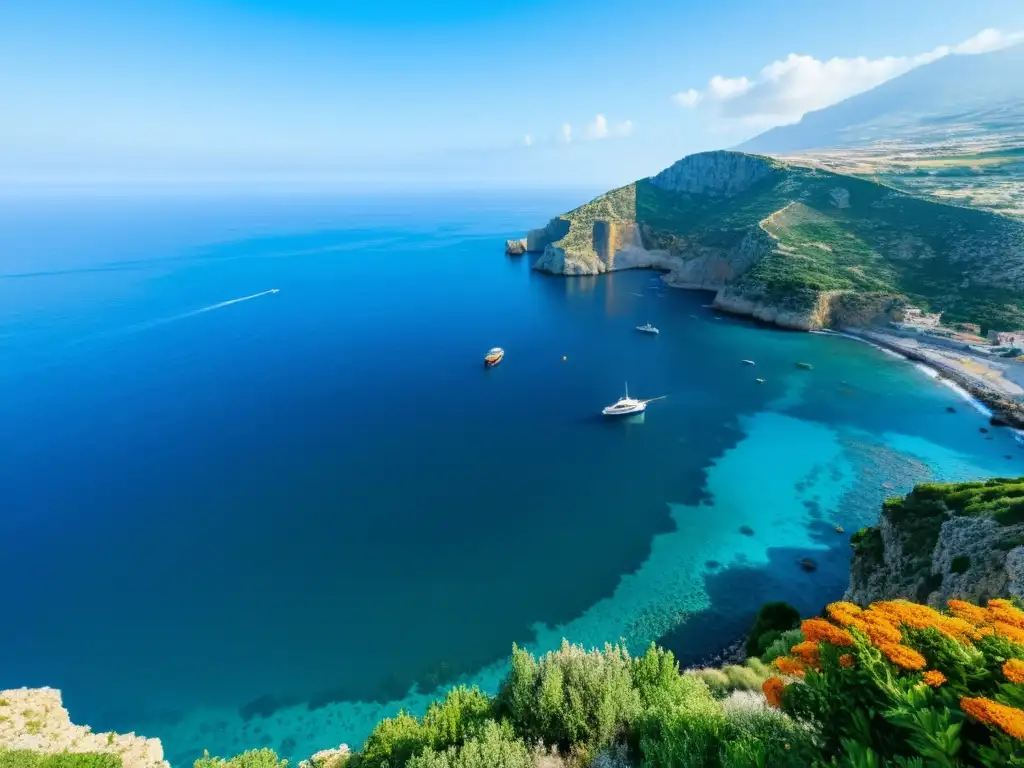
pixel 688 98
pixel 783 91
pixel 989 40
pixel 567 133
pixel 598 129
pixel 528 140
pixel 728 87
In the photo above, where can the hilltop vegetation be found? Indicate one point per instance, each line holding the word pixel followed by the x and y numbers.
pixel 787 235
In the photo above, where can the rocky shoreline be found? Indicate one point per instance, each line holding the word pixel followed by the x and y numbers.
pixel 35 719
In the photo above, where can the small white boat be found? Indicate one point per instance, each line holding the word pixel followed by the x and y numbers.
pixel 747 362
pixel 648 328
pixel 627 405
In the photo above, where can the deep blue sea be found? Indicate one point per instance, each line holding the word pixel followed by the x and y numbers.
pixel 232 518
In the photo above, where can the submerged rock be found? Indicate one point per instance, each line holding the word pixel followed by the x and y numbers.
pixel 746 530
pixel 808 564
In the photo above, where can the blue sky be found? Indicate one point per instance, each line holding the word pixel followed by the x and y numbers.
pixel 516 92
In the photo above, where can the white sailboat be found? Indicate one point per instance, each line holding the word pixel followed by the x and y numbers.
pixel 627 405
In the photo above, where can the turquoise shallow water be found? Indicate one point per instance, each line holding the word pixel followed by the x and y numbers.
pixel 274 521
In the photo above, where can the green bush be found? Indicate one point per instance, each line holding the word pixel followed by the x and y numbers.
pixel 960 564
pixel 393 741
pixel 781 646
pixel 496 746
pixel 254 758
pixel 777 617
pixel 461 714
pixel 26 758
pixel 571 697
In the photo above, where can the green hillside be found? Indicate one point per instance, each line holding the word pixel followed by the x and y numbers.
pixel 820 231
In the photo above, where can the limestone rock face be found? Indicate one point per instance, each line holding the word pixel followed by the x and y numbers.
pixel 35 718
pixel 974 558
pixel 613 245
pixel 719 173
pixel 538 239
pixel 515 247
pixel 328 758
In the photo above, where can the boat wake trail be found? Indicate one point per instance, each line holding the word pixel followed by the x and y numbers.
pixel 174 318
pixel 219 305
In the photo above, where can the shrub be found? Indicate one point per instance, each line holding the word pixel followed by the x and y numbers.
pixel 782 645
pixel 960 564
pixel 777 617
pixel 393 741
pixel 461 714
pixel 496 746
pixel 571 697
pixel 254 758
pixel 25 758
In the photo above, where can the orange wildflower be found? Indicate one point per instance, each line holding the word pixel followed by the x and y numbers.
pixel 772 689
pixel 846 660
pixel 958 629
pixel 902 656
pixel 819 630
pixel 934 678
pixel 1009 631
pixel 878 629
pixel 808 653
pixel 842 612
pixel 972 613
pixel 1009 720
pixel 1006 612
pixel 911 614
pixel 788 666
pixel 1014 670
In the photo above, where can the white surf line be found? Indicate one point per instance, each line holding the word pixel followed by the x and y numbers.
pixel 927 370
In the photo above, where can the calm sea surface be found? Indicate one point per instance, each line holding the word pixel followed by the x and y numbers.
pixel 232 518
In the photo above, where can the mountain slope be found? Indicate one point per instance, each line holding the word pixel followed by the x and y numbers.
pixel 798 246
pixel 963 95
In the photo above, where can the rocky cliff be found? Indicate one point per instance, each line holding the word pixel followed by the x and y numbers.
pixel 955 540
pixel 35 719
pixel 799 247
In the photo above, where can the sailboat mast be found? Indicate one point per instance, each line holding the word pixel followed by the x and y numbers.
pixel 627 390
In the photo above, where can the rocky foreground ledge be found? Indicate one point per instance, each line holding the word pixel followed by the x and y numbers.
pixel 35 718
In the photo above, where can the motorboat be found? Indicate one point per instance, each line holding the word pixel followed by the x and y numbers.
pixel 627 405
pixel 494 357
pixel 648 328
pixel 275 290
